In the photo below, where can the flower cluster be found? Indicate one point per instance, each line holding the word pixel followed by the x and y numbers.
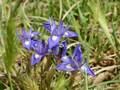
pixel 55 47
pixel 74 62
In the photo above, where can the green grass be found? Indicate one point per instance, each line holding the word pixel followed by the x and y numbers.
pixel 97 23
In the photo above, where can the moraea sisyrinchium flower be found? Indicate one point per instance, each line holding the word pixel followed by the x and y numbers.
pixel 41 49
pixel 57 32
pixel 27 38
pixel 75 62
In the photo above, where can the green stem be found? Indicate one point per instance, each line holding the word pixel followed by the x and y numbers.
pixel 10 80
pixel 86 81
pixel 10 42
pixel 13 12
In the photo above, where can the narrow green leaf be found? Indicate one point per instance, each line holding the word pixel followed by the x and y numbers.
pixel 10 44
pixel 100 17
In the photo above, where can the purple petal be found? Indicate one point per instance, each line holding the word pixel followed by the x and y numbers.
pixel 44 48
pixel 55 50
pixel 27 44
pixel 53 26
pixel 40 47
pixel 69 60
pixel 65 67
pixel 77 54
pixel 60 50
pixel 53 41
pixel 25 34
pixel 32 34
pixel 66 59
pixel 29 34
pixel 26 38
pixel 70 34
pixel 61 29
pixel 47 26
pixel 86 69
pixel 35 58
pixel 67 64
pixel 36 44
pixel 64 46
pixel 50 26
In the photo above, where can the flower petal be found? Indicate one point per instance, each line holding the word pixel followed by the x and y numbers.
pixel 66 59
pixel 70 34
pixel 53 41
pixel 65 67
pixel 47 26
pixel 36 58
pixel 64 48
pixel 27 44
pixel 61 29
pixel 55 50
pixel 50 26
pixel 25 34
pixel 32 34
pixel 53 26
pixel 77 54
pixel 86 69
pixel 40 47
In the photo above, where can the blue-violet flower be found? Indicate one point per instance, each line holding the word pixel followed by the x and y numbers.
pixel 57 32
pixel 75 62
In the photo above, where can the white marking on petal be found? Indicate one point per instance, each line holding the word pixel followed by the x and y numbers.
pixel 79 48
pixel 54 38
pixel 35 44
pixel 32 35
pixel 84 68
pixel 69 66
pixel 66 33
pixel 37 56
pixel 27 43
pixel 65 57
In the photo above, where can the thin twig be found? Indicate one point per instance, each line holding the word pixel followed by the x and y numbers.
pixel 60 15
pixel 106 68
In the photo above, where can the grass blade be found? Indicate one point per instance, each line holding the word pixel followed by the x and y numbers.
pixel 100 17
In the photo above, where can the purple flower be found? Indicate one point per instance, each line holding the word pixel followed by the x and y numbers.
pixel 27 38
pixel 57 32
pixel 74 63
pixel 41 49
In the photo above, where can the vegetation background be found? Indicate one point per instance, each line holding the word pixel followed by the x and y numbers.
pixel 97 23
